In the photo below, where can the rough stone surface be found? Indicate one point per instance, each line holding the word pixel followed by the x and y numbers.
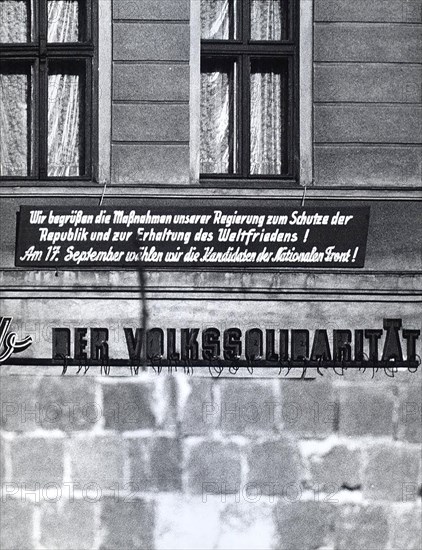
pixel 16 525
pixel 20 408
pixel 96 462
pixel 128 406
pixel 308 409
pixel 68 525
pixel 405 528
pixel 68 404
pixel 214 468
pixel 36 461
pixel 366 411
pixel 275 468
pixel 246 408
pixel 200 413
pixel 128 525
pixel 156 464
pixel 362 527
pixel 410 413
pixel 339 467
pixel 303 525
pixel 248 524
pixel 392 473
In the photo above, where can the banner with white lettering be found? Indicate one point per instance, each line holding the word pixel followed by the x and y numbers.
pixel 192 237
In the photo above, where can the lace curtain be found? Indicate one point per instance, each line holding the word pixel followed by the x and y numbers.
pixel 14 92
pixel 215 145
pixel 14 113
pixel 63 125
pixel 215 19
pixel 14 19
pixel 266 20
pixel 63 20
pixel 266 125
pixel 64 96
pixel 266 130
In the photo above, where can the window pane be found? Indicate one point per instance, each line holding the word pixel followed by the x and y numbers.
pixel 63 21
pixel 65 102
pixel 217 118
pixel 218 19
pixel 15 120
pixel 15 21
pixel 268 19
pixel 268 118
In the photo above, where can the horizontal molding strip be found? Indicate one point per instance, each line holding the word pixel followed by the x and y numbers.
pixel 195 295
pixel 117 192
pixel 212 284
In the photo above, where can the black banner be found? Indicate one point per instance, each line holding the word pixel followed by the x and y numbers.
pixel 198 237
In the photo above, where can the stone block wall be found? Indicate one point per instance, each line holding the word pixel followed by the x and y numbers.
pixel 175 461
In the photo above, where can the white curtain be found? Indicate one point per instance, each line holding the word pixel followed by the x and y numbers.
pixel 266 119
pixel 215 19
pixel 266 20
pixel 63 20
pixel 215 145
pixel 63 95
pixel 14 139
pixel 63 125
pixel 266 130
pixel 13 21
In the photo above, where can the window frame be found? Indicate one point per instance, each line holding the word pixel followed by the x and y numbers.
pixel 39 52
pixel 243 48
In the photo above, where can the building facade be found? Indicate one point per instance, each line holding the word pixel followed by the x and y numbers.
pixel 218 104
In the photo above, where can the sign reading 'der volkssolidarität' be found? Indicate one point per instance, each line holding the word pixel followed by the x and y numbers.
pixel 199 237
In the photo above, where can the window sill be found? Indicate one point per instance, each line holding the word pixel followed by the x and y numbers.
pixel 205 191
pixel 249 183
pixel 82 183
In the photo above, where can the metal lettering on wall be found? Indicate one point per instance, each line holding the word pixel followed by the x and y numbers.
pixel 390 348
pixel 198 237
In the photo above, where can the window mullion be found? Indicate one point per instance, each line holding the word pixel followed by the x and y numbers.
pixel 35 20
pixel 246 22
pixel 43 117
pixel 42 26
pixel 87 124
pixel 245 115
pixel 245 92
pixel 293 114
pixel 42 100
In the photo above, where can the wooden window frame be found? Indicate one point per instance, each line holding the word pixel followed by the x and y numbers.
pixel 39 53
pixel 244 49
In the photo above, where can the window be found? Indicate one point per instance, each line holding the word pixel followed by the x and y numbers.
pixel 249 89
pixel 46 74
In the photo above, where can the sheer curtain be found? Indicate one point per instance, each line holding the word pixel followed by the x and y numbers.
pixel 215 92
pixel 14 139
pixel 215 19
pixel 266 127
pixel 63 125
pixel 14 92
pixel 63 95
pixel 266 119
pixel 63 20
pixel 266 20
pixel 14 21
pixel 215 138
